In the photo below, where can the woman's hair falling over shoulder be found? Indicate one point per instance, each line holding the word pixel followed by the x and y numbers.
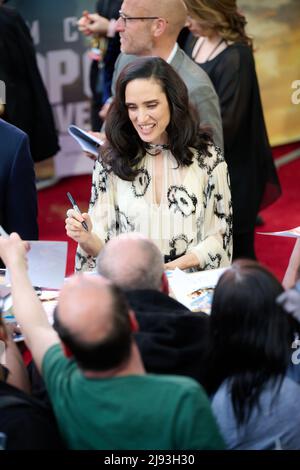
pixel 124 148
pixel 250 335
pixel 223 16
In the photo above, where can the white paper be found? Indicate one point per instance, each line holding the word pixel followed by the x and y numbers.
pixel 189 282
pixel 46 264
pixel 88 142
pixel 292 233
pixel 183 284
pixel 48 298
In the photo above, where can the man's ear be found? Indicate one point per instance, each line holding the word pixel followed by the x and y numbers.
pixel 66 350
pixel 133 322
pixel 164 284
pixel 159 26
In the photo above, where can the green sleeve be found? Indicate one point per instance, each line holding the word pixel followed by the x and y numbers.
pixel 196 427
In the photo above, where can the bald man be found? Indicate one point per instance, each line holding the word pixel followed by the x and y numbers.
pixel 93 371
pixel 171 339
pixel 132 261
pixel 151 28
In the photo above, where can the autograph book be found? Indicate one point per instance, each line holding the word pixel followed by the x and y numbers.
pixel 88 142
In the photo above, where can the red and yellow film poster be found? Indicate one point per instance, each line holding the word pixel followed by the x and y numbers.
pixel 275 28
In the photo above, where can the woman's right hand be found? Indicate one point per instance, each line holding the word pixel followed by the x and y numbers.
pixel 87 239
pixel 75 229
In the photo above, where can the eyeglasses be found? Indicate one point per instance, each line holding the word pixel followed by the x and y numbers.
pixel 126 18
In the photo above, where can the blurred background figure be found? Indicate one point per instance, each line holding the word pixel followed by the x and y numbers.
pixel 27 105
pixel 220 45
pixel 105 48
pixel 18 198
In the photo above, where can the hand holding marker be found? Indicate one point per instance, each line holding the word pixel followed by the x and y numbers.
pixel 76 208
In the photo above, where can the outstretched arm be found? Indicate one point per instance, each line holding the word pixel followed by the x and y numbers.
pixel 189 260
pixel 17 376
pixel 28 310
pixel 292 273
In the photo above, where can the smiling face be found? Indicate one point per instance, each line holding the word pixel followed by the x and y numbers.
pixel 148 110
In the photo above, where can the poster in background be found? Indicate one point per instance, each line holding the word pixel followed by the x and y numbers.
pixel 64 65
pixel 275 28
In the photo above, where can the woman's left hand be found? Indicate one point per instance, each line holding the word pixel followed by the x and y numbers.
pixel 189 260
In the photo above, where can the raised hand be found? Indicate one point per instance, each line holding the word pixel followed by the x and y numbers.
pixel 92 23
pixel 13 251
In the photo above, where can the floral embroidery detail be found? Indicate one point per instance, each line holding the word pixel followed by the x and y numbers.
pixel 199 226
pixel 219 209
pixel 83 263
pixel 214 263
pixel 102 182
pixel 179 245
pixel 99 183
pixel 121 224
pixel 227 236
pixel 181 200
pixel 102 176
pixel 94 195
pixel 209 161
pixel 208 191
pixel 141 183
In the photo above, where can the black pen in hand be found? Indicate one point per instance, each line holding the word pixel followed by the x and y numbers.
pixel 76 208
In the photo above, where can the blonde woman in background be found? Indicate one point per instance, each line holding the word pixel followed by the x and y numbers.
pixel 221 46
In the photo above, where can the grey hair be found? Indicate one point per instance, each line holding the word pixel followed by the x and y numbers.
pixel 143 270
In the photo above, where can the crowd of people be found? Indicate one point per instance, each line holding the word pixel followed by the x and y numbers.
pixel 185 167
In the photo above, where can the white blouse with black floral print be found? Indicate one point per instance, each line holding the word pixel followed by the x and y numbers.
pixel 194 214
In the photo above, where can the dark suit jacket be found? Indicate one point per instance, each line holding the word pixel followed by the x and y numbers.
pixel 18 199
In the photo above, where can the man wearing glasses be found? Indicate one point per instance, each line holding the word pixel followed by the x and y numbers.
pixel 151 28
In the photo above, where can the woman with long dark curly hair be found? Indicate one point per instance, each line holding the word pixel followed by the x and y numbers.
pixel 157 175
pixel 220 45
pixel 250 374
